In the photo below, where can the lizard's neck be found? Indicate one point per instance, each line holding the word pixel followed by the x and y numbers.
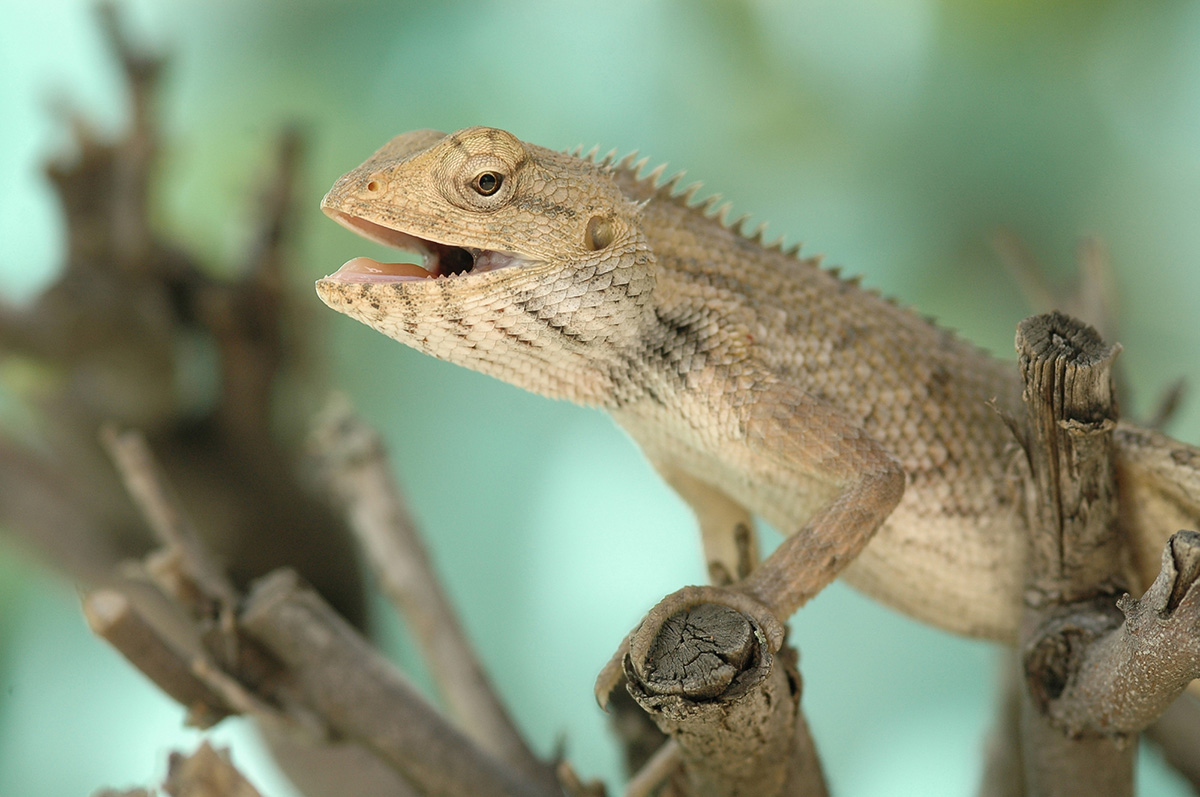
pixel 673 347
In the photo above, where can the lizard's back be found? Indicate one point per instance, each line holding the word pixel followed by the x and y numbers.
pixel 949 553
pixel 952 552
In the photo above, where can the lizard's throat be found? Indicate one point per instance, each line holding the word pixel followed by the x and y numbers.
pixel 438 260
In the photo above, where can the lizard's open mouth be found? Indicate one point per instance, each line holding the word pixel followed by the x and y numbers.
pixel 437 260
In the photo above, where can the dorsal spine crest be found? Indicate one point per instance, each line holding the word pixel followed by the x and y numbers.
pixel 710 207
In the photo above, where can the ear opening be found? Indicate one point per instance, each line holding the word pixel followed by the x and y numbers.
pixel 599 233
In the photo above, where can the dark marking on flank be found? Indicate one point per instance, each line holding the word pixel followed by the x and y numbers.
pixel 677 343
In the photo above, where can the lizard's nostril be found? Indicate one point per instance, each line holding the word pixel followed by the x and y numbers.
pixel 374 186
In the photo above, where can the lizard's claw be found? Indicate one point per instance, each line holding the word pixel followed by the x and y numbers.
pixel 613 672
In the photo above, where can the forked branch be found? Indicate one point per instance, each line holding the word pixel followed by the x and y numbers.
pixel 1099 668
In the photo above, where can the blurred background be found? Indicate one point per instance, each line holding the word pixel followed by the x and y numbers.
pixel 895 136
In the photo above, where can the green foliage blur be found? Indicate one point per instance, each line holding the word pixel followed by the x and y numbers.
pixel 896 136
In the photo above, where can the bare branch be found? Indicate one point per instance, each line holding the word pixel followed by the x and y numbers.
pixel 206 773
pixel 1027 273
pixel 665 763
pixel 113 617
pixel 640 739
pixel 1004 768
pixel 362 696
pixel 1177 734
pixel 574 786
pixel 707 676
pixel 361 476
pixel 146 486
pixel 1074 550
pixel 1127 679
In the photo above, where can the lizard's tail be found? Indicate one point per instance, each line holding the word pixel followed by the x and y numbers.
pixel 1159 481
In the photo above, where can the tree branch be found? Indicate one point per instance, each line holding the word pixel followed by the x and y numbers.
pixel 149 490
pixel 1003 766
pixel 114 618
pixel 1177 734
pixel 707 676
pixel 1074 549
pixel 1128 677
pixel 362 697
pixel 206 773
pixel 359 472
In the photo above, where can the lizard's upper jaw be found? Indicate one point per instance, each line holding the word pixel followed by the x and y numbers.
pixel 438 260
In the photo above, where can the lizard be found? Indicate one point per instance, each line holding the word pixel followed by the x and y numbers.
pixel 756 381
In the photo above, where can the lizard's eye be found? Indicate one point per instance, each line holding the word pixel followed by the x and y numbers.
pixel 482 184
pixel 487 183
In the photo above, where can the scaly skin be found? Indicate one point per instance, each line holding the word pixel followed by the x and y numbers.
pixel 755 381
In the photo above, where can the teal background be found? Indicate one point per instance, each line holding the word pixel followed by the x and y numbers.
pixel 896 136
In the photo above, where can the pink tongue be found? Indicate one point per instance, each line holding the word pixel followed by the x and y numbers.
pixel 366 267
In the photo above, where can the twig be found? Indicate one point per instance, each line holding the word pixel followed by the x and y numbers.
pixel 1177 734
pixel 1003 768
pixel 206 773
pixel 638 737
pixel 360 474
pixel 660 766
pixel 150 492
pixel 113 617
pixel 1127 679
pixel 574 786
pixel 39 503
pixel 362 696
pixel 247 317
pixel 1025 270
pixel 707 676
pixel 133 241
pixel 1074 550
pixel 1167 404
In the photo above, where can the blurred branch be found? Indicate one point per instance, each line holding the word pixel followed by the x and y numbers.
pixel 1003 766
pixel 144 481
pixel 1177 734
pixel 362 697
pixel 706 675
pixel 358 470
pixel 114 617
pixel 124 336
pixel 287 657
pixel 207 772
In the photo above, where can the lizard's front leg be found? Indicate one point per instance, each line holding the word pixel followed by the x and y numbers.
pixel 783 441
pixel 787 439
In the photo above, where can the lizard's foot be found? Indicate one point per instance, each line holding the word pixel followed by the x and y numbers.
pixel 718 626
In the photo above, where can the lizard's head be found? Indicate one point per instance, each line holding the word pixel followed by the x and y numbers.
pixel 526 254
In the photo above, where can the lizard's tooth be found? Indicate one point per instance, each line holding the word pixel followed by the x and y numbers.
pixel 364 269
